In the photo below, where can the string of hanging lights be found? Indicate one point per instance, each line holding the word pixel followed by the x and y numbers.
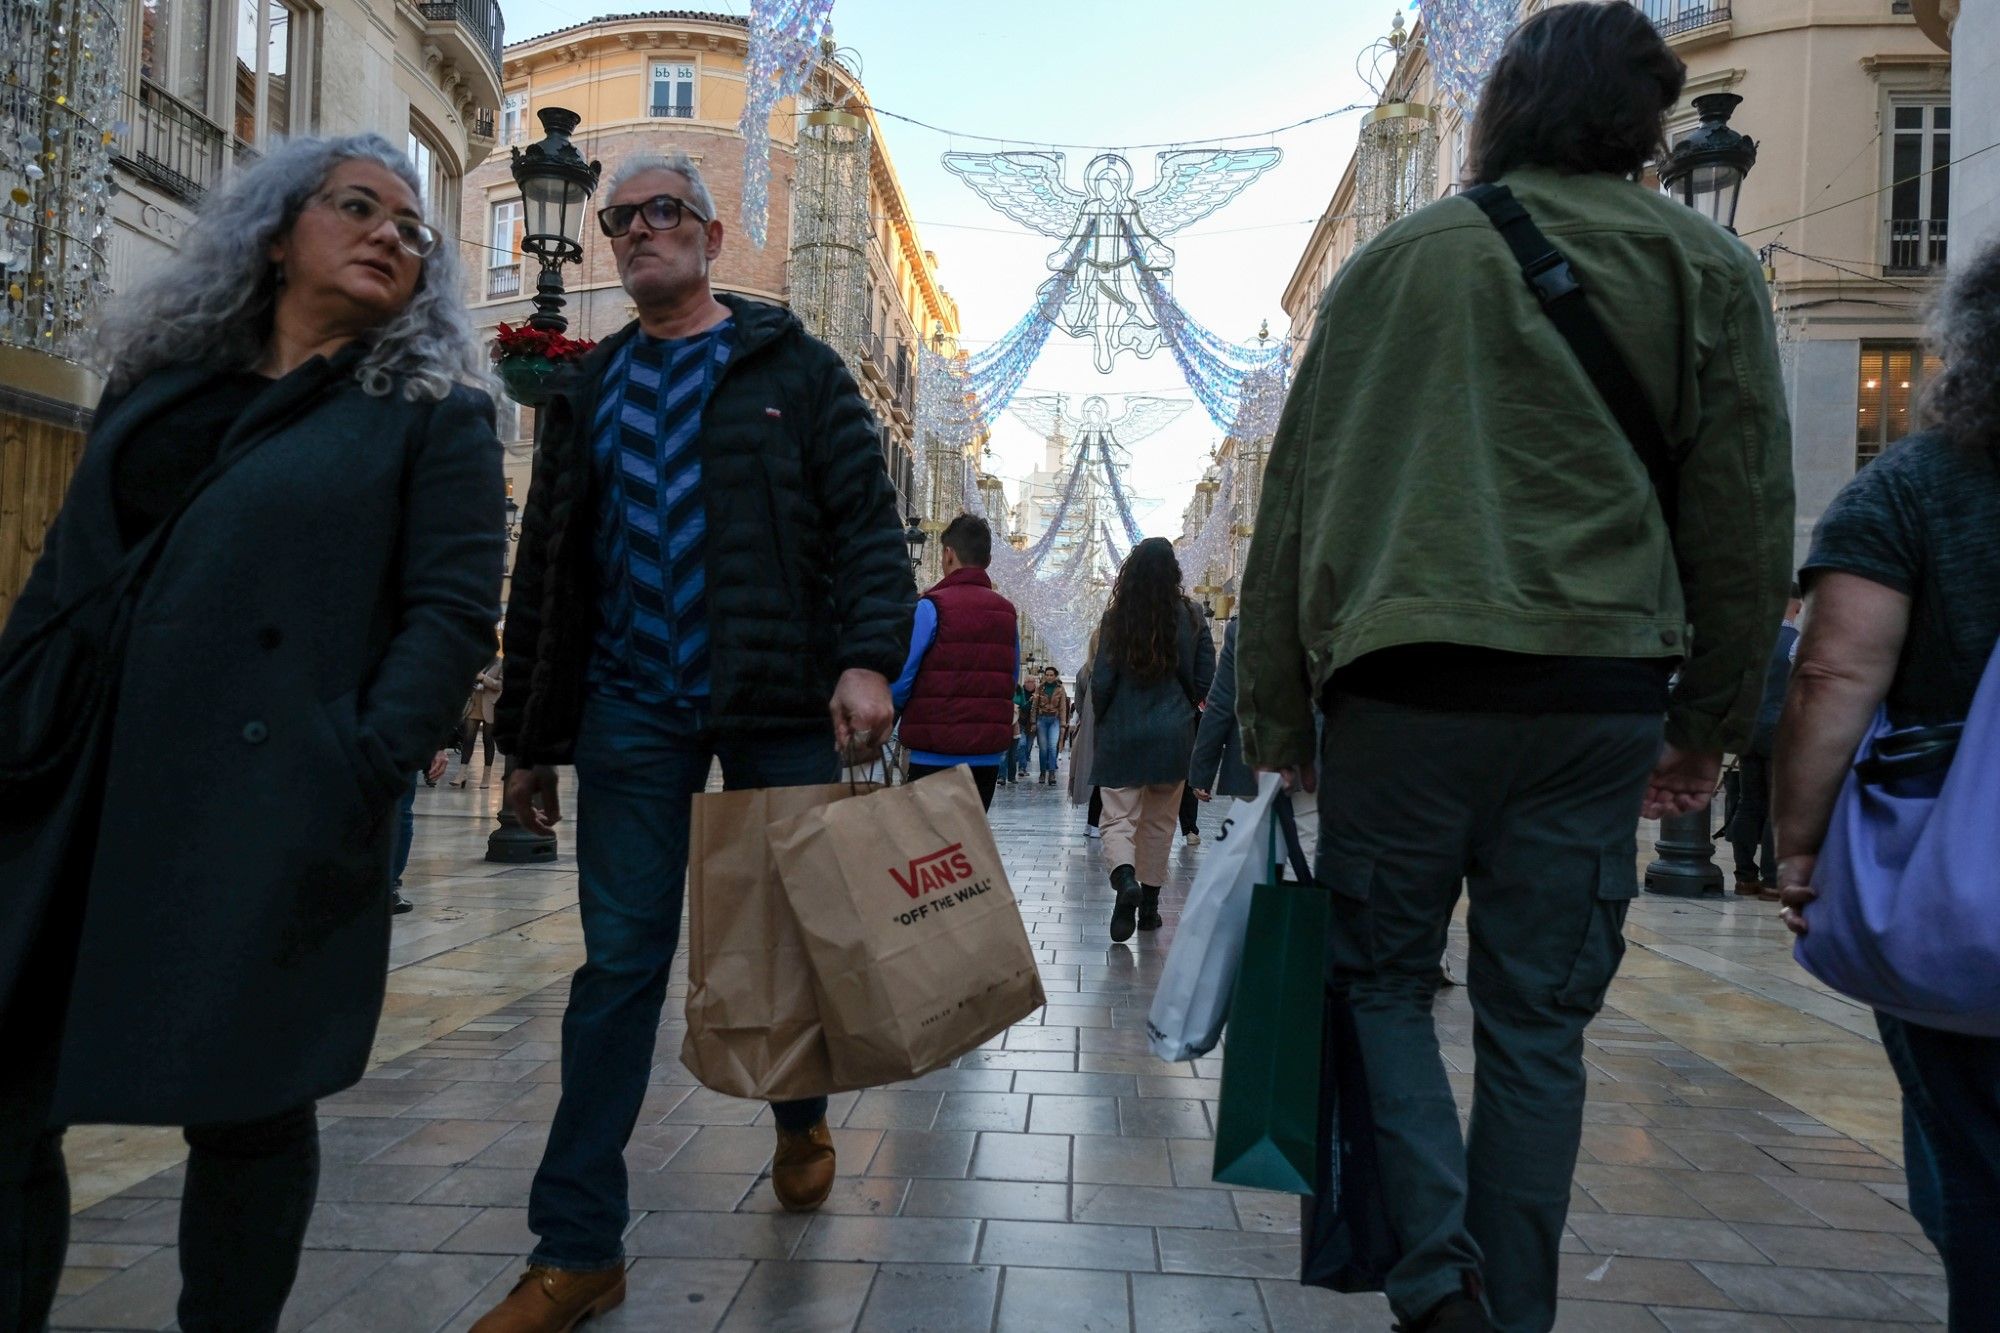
pixel 785 41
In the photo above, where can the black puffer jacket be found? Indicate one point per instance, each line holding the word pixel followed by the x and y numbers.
pixel 807 572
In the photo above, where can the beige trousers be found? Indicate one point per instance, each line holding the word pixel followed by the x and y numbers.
pixel 1138 828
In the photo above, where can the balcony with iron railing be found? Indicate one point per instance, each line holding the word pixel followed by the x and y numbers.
pixel 1672 18
pixel 503 280
pixel 1915 245
pixel 475 25
pixel 673 111
pixel 171 145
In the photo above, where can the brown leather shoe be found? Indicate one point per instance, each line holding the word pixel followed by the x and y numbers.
pixel 802 1170
pixel 1747 887
pixel 554 1300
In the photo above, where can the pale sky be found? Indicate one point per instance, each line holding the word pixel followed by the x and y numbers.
pixel 1106 73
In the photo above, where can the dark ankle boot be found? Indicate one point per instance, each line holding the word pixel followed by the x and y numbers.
pixel 1124 916
pixel 1149 907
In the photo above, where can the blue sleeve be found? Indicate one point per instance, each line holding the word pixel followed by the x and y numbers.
pixel 922 634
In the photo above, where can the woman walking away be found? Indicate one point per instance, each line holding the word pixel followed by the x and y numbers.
pixel 1154 663
pixel 293 477
pixel 1903 613
pixel 479 718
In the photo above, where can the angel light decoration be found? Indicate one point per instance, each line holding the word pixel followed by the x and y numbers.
pixel 1110 235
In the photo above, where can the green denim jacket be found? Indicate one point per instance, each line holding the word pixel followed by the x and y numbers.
pixel 1444 471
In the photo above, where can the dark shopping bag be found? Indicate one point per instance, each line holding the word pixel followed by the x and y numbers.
pixel 1267 1123
pixel 1346 1243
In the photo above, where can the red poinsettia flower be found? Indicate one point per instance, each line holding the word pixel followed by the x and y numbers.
pixel 526 340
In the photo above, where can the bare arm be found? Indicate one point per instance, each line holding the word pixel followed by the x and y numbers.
pixel 1848 650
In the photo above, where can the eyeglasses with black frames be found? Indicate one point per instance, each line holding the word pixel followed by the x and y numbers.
pixel 662 213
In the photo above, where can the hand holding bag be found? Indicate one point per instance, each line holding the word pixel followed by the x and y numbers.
pixel 1907 878
pixel 1191 1002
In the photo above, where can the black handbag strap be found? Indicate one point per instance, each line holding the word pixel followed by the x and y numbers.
pixel 1286 828
pixel 1560 292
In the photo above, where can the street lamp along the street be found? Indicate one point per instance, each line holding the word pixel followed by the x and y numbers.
pixel 556 184
pixel 1706 168
pixel 1705 171
pixel 914 537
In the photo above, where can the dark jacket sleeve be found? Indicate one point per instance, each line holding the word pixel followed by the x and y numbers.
pixel 528 586
pixel 874 593
pixel 453 539
pixel 1218 719
pixel 1204 654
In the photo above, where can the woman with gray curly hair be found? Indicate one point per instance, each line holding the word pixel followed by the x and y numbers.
pixel 1903 615
pixel 285 542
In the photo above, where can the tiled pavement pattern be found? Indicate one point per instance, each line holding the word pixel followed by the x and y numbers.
pixel 1057 1179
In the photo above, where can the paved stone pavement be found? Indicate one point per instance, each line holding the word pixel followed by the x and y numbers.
pixel 1739 1165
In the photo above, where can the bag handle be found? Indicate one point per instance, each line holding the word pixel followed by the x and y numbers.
pixel 1560 292
pixel 1285 820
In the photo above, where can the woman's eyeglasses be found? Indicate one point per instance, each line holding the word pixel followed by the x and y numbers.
pixel 366 212
pixel 662 213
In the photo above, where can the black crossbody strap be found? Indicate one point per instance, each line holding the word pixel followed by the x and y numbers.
pixel 1556 285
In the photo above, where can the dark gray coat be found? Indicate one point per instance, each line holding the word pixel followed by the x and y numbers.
pixel 1145 729
pixel 1217 766
pixel 302 643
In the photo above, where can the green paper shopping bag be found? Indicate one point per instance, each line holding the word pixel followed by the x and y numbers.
pixel 1267 1124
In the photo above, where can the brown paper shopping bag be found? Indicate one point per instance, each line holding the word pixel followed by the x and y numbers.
pixel 753 1020
pixel 917 947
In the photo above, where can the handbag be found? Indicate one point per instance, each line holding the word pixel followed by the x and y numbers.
pixel 1560 292
pixel 55 682
pixel 1904 918
pixel 1267 1118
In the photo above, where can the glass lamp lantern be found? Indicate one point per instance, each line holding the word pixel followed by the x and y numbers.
pixel 1706 168
pixel 556 185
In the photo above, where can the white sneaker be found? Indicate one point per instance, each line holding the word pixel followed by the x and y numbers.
pixel 1194 839
pixel 1093 830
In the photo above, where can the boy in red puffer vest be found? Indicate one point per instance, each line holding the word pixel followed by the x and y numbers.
pixel 956 693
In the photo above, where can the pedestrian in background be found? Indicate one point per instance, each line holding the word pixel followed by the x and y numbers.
pixel 1217 767
pixel 479 712
pixel 1477 582
pixel 197 930
pixel 956 693
pixel 1752 836
pixel 711 568
pixel 1903 612
pixel 1082 741
pixel 406 831
pixel 1154 664
pixel 1051 710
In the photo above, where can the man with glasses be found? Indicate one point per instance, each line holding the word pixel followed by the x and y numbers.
pixel 711 567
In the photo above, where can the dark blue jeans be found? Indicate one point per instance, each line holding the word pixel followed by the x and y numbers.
pixel 1049 729
pixel 638 767
pixel 1951 1156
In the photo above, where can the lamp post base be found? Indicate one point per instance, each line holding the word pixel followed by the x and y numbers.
pixel 1685 867
pixel 512 844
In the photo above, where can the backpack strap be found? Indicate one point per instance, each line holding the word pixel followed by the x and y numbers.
pixel 1560 292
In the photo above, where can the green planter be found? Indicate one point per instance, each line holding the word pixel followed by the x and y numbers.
pixel 528 378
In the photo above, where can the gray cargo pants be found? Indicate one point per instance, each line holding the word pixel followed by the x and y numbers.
pixel 1538 815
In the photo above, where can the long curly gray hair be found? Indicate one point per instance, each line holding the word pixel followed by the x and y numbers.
pixel 1964 401
pixel 213 301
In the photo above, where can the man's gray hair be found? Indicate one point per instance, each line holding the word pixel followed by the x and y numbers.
pixel 638 164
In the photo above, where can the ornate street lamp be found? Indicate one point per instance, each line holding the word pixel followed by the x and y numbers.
pixel 1705 170
pixel 556 185
pixel 914 537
